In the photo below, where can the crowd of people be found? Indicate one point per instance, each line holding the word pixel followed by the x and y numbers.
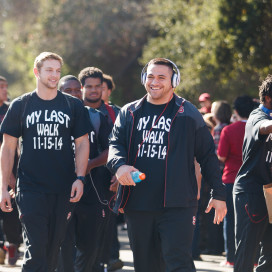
pixel 205 171
pixel 241 137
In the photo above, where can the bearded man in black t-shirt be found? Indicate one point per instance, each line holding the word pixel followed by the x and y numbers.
pixel 251 221
pixel 161 135
pixel 85 229
pixel 50 175
pixel 91 79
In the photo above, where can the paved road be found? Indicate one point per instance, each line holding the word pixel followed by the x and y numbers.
pixel 209 263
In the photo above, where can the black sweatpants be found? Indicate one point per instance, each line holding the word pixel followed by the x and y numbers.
pixel 251 229
pixel 106 238
pixel 44 219
pixel 162 240
pixel 87 221
pixel 115 247
pixel 11 226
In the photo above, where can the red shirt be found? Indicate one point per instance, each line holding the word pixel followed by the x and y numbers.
pixel 230 147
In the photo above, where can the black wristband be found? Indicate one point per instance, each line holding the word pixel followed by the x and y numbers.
pixel 82 179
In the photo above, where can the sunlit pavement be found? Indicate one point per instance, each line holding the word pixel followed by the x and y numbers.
pixel 209 264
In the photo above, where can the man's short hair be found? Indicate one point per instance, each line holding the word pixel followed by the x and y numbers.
pixel 92 72
pixel 244 105
pixel 3 79
pixel 161 61
pixel 46 56
pixel 109 81
pixel 266 88
pixel 65 79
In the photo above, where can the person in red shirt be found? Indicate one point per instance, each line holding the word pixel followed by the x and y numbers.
pixel 230 152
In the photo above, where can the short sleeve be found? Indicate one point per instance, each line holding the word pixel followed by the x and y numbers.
pixel 12 122
pixel 255 124
pixel 104 132
pixel 81 122
pixel 224 144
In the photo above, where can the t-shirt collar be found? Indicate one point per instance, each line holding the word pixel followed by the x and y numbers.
pixel 266 110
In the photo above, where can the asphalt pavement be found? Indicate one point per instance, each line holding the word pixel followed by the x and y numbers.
pixel 209 263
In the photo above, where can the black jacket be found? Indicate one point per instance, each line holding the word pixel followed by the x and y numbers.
pixel 188 138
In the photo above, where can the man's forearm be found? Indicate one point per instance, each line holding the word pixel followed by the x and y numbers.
pixel 100 160
pixel 82 156
pixel 6 165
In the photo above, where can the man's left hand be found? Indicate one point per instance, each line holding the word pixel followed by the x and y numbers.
pixel 77 191
pixel 220 210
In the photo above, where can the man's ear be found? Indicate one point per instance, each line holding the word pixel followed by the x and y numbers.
pixel 36 72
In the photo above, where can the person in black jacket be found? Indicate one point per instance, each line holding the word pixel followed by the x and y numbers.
pixel 161 135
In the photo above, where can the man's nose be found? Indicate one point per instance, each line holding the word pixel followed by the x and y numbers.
pixel 154 81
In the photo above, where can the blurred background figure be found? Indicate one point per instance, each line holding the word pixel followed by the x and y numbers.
pixel 210 123
pixel 10 226
pixel 108 87
pixel 230 153
pixel 221 112
pixel 200 232
pixel 205 103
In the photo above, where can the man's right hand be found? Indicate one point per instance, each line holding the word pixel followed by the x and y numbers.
pixel 5 201
pixel 123 175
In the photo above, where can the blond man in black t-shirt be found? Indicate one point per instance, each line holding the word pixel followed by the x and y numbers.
pixel 50 175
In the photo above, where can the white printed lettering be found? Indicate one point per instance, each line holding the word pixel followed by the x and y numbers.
pixel 30 119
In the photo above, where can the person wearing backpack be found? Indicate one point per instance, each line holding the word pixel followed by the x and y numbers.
pixel 91 79
pixel 84 230
pixel 50 174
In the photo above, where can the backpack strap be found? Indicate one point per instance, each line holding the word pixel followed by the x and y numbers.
pixel 111 112
pixel 25 98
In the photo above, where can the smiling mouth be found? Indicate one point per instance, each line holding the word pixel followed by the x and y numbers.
pixel 53 81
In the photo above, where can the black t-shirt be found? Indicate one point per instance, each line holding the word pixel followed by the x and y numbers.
pixel 98 143
pixel 3 111
pixel 149 194
pixel 257 157
pixel 46 126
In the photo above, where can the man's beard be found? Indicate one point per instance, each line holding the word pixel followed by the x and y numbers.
pixel 47 85
pixel 92 100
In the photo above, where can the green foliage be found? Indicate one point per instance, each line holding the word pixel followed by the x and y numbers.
pixel 222 47
pixel 102 33
pixel 188 38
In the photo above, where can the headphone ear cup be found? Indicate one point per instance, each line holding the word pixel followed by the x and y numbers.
pixel 174 80
pixel 143 78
